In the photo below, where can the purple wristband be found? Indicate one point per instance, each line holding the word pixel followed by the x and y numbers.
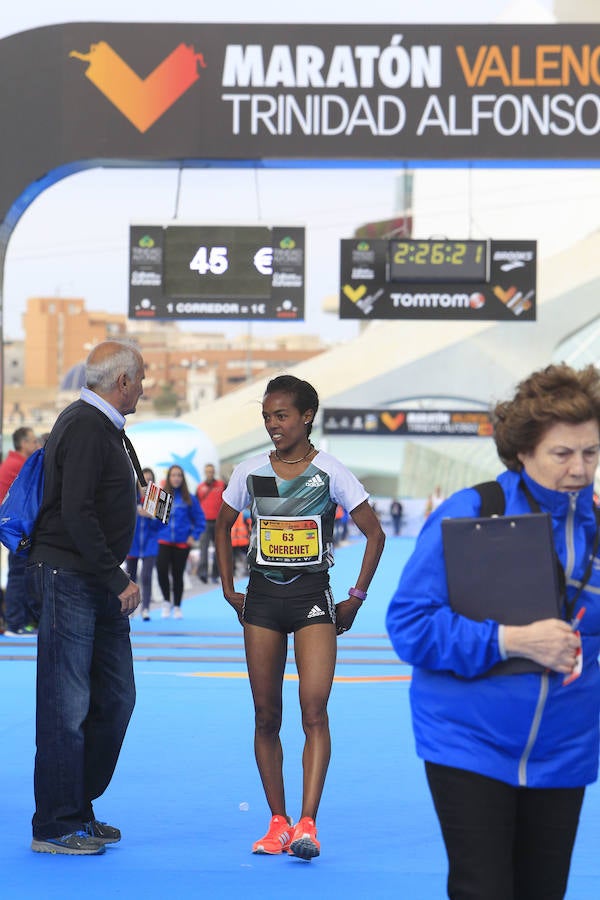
pixel 355 592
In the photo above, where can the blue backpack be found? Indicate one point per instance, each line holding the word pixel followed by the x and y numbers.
pixel 21 505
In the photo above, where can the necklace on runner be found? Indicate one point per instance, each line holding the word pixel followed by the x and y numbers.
pixel 292 462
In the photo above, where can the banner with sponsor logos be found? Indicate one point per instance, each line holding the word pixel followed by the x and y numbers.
pixel 92 93
pixel 438 279
pixel 408 422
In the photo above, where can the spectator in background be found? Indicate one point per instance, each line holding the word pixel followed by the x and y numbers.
pixel 433 501
pixel 210 494
pixel 396 515
pixel 144 547
pixel 21 611
pixel 175 539
pixel 240 541
pixel 340 525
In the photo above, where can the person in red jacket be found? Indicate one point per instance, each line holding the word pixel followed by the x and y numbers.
pixel 24 443
pixel 20 611
pixel 240 541
pixel 210 494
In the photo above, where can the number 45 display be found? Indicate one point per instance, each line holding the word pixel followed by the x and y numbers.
pixel 215 261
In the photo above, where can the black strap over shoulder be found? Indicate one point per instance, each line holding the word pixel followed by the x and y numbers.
pixel 134 459
pixel 493 500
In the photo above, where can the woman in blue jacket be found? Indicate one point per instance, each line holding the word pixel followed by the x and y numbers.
pixel 144 547
pixel 507 756
pixel 175 539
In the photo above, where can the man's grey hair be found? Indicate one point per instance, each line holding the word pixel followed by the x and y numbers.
pixel 102 376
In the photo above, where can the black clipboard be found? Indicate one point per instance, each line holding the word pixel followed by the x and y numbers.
pixel 503 568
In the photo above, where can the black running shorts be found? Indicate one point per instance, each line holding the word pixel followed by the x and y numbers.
pixel 288 607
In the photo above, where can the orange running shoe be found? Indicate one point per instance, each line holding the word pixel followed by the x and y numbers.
pixel 304 843
pixel 277 839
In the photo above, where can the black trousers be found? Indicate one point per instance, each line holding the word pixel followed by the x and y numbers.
pixel 171 558
pixel 504 842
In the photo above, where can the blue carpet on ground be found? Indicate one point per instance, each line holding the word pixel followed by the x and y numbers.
pixel 186 792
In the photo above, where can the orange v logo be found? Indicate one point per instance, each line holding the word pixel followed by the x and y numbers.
pixel 142 101
pixel 392 422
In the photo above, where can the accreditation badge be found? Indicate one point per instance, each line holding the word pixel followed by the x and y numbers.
pixel 288 540
pixel 158 502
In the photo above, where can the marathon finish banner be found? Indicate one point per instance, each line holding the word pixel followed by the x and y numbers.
pixel 508 293
pixel 408 422
pixel 102 93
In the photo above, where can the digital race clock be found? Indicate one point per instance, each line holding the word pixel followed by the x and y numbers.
pixel 438 260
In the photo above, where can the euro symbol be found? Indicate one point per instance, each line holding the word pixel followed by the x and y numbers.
pixel 263 260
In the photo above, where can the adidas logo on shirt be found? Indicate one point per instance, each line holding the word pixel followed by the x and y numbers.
pixel 315 611
pixel 315 481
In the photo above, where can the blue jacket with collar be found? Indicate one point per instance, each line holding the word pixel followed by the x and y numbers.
pixel 527 729
pixel 186 519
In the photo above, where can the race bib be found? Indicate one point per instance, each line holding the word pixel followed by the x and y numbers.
pixel 288 540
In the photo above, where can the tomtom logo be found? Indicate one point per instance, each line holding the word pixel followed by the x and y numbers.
pixel 141 100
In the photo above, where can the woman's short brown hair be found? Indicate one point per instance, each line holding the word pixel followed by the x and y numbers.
pixel 555 394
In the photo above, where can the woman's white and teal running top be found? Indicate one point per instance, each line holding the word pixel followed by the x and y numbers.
pixel 292 520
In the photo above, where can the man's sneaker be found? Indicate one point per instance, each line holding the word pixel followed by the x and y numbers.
pixel 304 843
pixel 76 844
pixel 277 839
pixel 107 834
pixel 20 632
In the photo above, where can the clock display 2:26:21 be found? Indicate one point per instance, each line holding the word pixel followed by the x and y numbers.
pixel 439 260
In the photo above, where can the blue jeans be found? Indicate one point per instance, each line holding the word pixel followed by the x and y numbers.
pixel 20 607
pixel 85 697
pixel 148 563
pixel 206 539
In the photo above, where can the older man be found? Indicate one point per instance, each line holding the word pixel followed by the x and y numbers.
pixel 86 691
